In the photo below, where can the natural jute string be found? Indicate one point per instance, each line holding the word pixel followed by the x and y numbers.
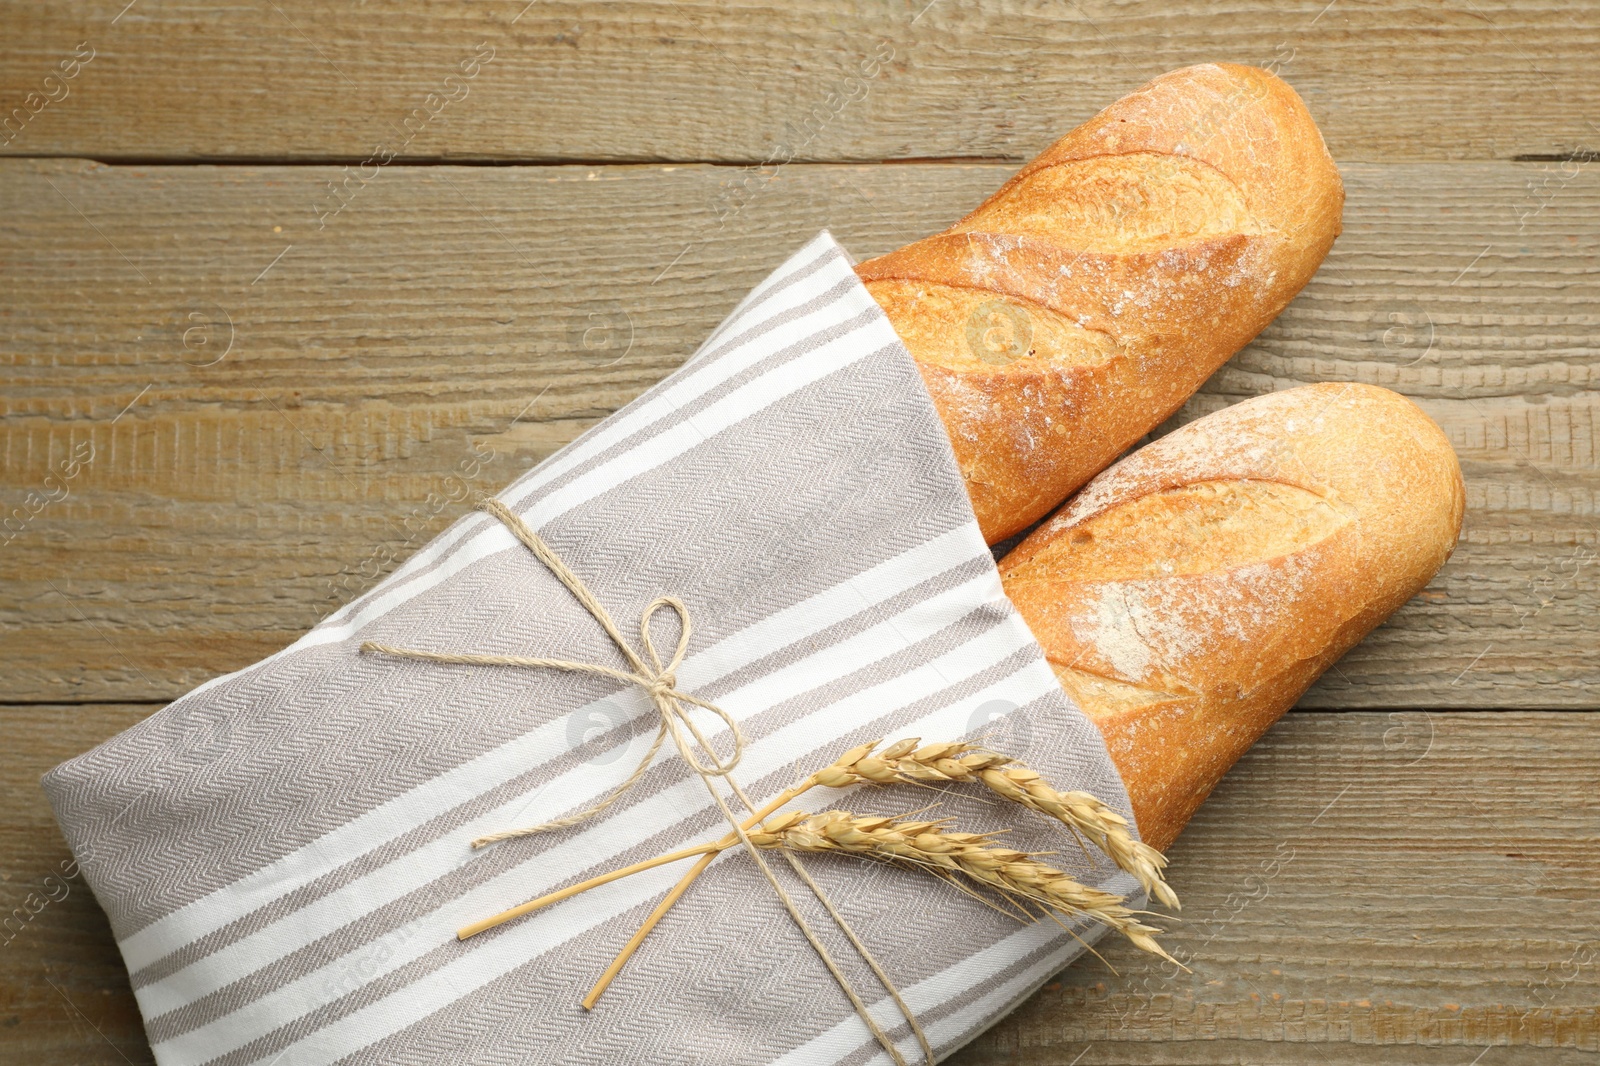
pixel 659 681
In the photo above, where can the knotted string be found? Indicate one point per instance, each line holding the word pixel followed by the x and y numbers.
pixel 659 681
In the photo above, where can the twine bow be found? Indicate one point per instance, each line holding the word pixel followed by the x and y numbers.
pixel 659 681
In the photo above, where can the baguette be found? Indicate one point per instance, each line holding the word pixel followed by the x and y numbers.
pixel 1190 594
pixel 1083 302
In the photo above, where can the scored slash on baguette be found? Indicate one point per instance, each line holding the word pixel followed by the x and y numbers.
pixel 1190 594
pixel 1083 302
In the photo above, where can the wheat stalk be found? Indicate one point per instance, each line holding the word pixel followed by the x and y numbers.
pixel 1019 876
pixel 959 761
pixel 1084 812
pixel 910 761
pixel 903 761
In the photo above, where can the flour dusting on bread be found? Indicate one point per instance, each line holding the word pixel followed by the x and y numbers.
pixel 1135 255
pixel 1189 594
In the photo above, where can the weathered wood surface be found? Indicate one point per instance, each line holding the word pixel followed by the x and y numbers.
pixel 281 409
pixel 1360 880
pixel 64 996
pixel 713 81
pixel 279 412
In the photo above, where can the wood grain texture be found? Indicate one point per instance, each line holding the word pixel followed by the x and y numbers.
pixel 292 377
pixel 713 81
pixel 1360 881
pixel 280 413
pixel 64 995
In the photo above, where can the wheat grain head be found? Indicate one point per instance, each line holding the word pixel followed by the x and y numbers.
pixel 960 761
pixel 1018 876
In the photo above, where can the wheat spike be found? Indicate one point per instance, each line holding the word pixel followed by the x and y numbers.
pixel 959 761
pixel 1017 875
pixel 1082 811
pixel 906 761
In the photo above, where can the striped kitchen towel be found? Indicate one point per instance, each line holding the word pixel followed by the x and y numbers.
pixel 284 855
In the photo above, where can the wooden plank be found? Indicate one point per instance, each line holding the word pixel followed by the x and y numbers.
pixel 279 413
pixel 1361 881
pixel 1365 887
pixel 699 80
pixel 64 995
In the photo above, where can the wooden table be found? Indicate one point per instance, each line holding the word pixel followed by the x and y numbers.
pixel 278 312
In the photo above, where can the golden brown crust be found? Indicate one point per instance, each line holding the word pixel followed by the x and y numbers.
pixel 1190 594
pixel 1166 231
